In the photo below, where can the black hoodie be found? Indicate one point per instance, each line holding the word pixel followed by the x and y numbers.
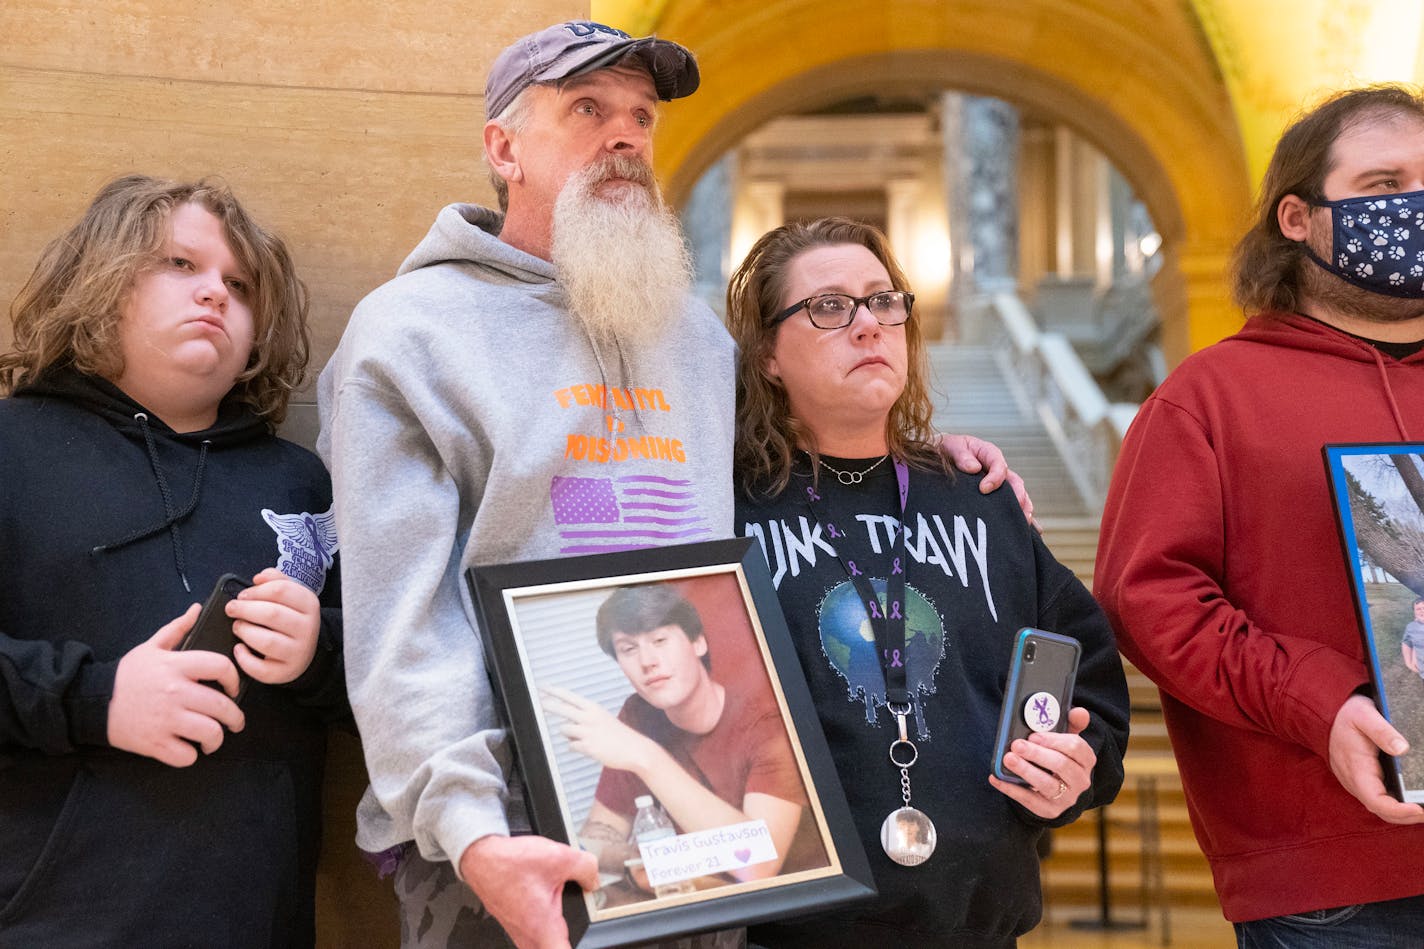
pixel 111 525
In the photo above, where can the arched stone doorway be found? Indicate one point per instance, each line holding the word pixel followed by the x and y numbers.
pixel 1138 81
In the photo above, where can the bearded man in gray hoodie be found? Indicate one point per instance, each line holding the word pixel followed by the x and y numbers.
pixel 513 394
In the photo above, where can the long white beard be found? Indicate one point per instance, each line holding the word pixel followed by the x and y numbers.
pixel 619 255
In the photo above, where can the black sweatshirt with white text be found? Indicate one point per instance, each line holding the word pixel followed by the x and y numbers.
pixel 976 573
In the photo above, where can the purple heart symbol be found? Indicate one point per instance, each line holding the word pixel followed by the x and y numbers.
pixel 743 855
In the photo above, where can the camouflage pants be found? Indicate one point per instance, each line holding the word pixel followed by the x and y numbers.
pixel 438 911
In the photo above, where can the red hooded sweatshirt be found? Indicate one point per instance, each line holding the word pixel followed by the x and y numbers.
pixel 1220 566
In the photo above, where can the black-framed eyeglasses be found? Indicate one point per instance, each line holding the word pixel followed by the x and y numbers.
pixel 831 311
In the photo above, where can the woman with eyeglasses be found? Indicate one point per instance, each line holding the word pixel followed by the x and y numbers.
pixel 905 635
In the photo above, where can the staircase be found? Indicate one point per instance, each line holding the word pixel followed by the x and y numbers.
pixel 973 396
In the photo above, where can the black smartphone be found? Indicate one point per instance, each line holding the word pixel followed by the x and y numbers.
pixel 213 630
pixel 1039 692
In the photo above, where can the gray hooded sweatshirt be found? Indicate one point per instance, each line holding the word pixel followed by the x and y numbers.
pixel 468 418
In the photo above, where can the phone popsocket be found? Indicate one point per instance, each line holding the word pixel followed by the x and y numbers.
pixel 1041 712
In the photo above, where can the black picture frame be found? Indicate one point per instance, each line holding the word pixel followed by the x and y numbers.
pixel 537 624
pixel 1370 496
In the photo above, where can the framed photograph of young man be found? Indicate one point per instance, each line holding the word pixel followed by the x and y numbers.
pixel 1379 496
pixel 661 721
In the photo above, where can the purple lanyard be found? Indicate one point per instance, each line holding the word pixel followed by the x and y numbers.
pixel 887 621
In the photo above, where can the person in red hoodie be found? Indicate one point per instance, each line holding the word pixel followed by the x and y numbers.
pixel 1220 565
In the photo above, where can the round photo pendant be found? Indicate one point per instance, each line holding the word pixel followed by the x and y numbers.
pixel 908 837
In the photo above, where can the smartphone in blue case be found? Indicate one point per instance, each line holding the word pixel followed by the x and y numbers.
pixel 1039 691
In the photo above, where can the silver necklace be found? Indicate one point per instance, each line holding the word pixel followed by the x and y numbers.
pixel 853 477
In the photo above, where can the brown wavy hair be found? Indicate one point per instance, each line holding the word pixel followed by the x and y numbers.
pixel 768 435
pixel 68 311
pixel 1265 267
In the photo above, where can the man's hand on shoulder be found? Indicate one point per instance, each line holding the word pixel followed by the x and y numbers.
pixel 971 455
pixel 520 880
pixel 1360 732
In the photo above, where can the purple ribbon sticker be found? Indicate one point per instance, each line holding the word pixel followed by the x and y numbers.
pixel 897 568
pixel 895 610
pixel 854 570
pixel 875 610
pixel 1041 712
pixel 894 656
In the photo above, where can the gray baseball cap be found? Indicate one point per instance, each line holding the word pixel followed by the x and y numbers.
pixel 581 46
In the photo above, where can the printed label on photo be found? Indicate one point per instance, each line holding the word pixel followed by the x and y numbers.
pixel 707 852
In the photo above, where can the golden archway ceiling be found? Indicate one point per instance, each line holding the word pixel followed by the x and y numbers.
pixel 1137 80
pixel 1186 97
pixel 1278 56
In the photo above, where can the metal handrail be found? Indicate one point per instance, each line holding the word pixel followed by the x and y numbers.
pixel 1086 428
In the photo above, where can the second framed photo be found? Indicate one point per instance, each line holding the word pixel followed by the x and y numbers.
pixel 1379 496
pixel 661 721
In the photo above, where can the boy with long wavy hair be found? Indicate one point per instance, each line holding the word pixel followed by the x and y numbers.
pixel 155 346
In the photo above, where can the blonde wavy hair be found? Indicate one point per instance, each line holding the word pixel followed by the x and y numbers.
pixel 768 435
pixel 68 311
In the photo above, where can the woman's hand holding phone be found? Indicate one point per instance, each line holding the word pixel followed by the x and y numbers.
pixel 1040 760
pixel 1056 766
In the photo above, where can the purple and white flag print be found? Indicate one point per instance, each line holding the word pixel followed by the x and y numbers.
pixel 603 515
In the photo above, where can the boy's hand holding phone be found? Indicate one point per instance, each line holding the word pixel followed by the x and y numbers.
pixel 164 705
pixel 277 620
pixel 1044 759
pixel 161 707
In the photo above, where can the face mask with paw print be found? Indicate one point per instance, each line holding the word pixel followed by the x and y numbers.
pixel 1378 243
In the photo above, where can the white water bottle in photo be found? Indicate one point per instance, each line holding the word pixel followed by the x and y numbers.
pixel 651 824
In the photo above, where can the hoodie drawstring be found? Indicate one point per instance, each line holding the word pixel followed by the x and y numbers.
pixel 171 518
pixel 1389 395
pixel 623 373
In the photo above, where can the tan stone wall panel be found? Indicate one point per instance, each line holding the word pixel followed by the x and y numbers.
pixel 395 46
pixel 351 179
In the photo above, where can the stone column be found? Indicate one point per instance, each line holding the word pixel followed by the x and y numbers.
pixel 917 227
pixel 756 209
pixel 707 228
pixel 981 139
